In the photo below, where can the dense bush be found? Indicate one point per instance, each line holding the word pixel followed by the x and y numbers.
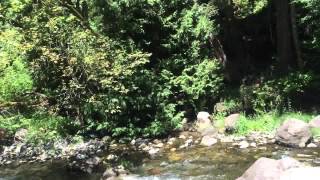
pixel 202 84
pixel 275 94
pixel 121 72
pixel 15 78
pixel 137 67
pixel 41 126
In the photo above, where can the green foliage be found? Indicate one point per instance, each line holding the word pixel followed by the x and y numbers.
pixel 124 78
pixel 15 78
pixel 264 123
pixel 41 127
pixel 92 79
pixel 248 7
pixel 267 122
pixel 127 67
pixel 315 132
pixel 309 21
pixel 227 107
pixel 201 82
pixel 275 94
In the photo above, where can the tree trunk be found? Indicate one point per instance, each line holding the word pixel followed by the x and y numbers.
pixel 295 36
pixel 284 38
pixel 232 38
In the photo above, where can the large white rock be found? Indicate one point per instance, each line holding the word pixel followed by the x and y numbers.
pixel 269 169
pixel 203 118
pixel 302 173
pixel 230 122
pixel 204 124
pixel 294 132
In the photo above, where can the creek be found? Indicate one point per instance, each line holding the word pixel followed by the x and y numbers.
pixel 219 162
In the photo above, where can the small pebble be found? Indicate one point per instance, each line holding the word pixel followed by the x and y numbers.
pixel 164 164
pixel 253 144
pixel 243 144
pixel 160 145
pixel 173 149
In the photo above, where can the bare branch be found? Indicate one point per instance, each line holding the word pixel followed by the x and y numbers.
pixel 75 11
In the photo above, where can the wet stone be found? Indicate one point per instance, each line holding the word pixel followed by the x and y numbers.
pixel 227 139
pixel 163 164
pixel 189 142
pixel 159 145
pixel 243 144
pixel 312 145
pixel 208 141
pixel 153 151
pixel 253 144
pixel 173 149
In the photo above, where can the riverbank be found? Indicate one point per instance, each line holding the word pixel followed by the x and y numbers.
pixel 170 158
pixel 88 155
pixel 116 156
pixel 21 152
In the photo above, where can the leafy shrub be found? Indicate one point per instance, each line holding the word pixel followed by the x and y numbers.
pixel 41 127
pixel 15 78
pixel 127 70
pixel 117 82
pixel 275 94
pixel 202 83
pixel 227 106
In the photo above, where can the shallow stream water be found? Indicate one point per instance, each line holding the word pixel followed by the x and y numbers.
pixel 219 162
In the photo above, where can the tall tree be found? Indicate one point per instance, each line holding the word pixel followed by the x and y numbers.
pixel 288 49
pixel 295 37
pixel 284 38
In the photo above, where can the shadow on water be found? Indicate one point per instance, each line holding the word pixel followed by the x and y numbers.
pixel 43 171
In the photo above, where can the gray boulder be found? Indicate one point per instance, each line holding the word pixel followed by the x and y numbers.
pixel 230 122
pixel 269 169
pixel 20 135
pixel 293 132
pixel 109 173
pixel 208 141
pixel 315 122
pixel 204 125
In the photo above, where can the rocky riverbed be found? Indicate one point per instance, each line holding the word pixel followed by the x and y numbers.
pixel 199 153
pixel 222 161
